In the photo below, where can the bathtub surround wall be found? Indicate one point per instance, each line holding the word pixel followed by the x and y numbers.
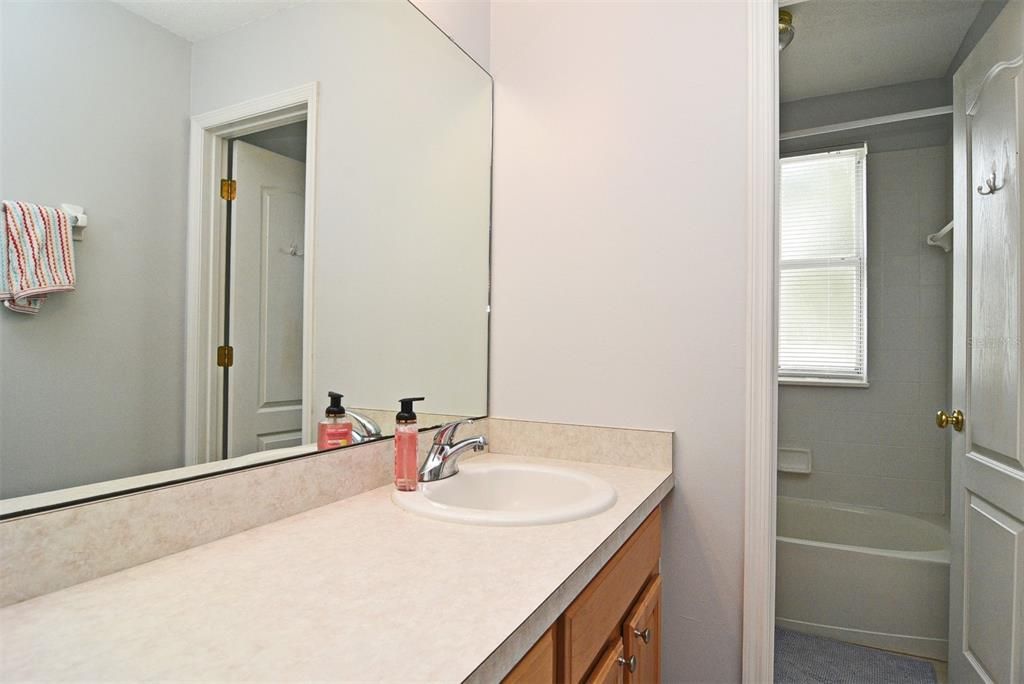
pixel 879 446
pixel 620 266
pixel 79 140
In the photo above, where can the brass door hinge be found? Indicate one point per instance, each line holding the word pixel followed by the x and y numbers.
pixel 225 356
pixel 228 189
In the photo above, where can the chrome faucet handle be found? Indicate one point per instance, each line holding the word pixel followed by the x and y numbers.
pixel 445 435
pixel 369 425
pixel 443 458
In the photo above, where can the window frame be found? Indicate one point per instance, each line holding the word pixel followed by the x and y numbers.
pixel 824 378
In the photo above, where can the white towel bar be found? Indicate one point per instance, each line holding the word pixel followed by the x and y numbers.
pixel 79 220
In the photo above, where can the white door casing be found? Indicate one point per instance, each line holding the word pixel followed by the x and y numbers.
pixel 986 640
pixel 267 254
pixel 208 163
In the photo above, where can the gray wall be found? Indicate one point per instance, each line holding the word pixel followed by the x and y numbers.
pixel 95 112
pixel 879 446
pixel 865 104
pixel 812 112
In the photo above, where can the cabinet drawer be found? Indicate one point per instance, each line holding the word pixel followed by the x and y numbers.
pixel 538 665
pixel 595 619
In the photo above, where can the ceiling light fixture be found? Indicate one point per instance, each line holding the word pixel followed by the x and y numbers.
pixel 786 31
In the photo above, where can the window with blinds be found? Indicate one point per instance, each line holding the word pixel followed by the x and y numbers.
pixel 822 290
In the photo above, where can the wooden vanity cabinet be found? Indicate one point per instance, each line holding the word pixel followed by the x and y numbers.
pixel 612 631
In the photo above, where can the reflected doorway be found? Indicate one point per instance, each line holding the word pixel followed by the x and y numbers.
pixel 261 405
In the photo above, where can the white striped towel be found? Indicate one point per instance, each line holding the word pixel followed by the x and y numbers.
pixel 36 255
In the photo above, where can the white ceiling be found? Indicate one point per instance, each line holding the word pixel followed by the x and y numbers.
pixel 196 20
pixel 846 45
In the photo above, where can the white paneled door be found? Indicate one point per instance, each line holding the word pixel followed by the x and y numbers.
pixel 265 313
pixel 986 641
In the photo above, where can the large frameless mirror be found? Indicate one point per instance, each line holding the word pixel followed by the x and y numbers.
pixel 261 206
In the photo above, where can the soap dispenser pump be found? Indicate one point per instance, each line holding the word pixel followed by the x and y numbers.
pixel 406 446
pixel 335 430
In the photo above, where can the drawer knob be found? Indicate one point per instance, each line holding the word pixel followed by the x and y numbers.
pixel 645 635
pixel 628 662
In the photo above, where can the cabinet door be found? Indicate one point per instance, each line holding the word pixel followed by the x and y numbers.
pixel 642 636
pixel 610 668
pixel 597 615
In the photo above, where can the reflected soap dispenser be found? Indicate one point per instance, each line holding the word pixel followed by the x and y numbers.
pixel 335 430
pixel 406 446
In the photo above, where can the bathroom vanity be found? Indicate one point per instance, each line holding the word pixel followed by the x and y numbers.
pixel 361 589
pixel 347 250
pixel 612 631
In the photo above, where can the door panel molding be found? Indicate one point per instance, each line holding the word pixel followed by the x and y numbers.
pixel 271 255
pixel 278 440
pixel 975 98
pixel 993 570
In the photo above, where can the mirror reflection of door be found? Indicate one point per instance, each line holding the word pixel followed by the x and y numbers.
pixel 262 405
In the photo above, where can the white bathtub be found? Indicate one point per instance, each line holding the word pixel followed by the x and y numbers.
pixel 862 575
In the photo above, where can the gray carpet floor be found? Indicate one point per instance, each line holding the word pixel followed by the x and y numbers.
pixel 805 659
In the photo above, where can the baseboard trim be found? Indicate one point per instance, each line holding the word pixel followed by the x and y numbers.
pixel 923 647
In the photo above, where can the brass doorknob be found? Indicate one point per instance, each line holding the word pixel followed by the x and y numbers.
pixel 956 419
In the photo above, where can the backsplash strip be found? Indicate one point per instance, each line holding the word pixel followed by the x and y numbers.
pixel 593 444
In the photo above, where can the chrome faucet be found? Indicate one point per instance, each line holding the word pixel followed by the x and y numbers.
pixel 443 458
pixel 370 430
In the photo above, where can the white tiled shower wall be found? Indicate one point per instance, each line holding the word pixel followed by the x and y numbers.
pixel 879 446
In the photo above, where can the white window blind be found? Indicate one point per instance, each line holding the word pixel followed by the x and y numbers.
pixel 822 308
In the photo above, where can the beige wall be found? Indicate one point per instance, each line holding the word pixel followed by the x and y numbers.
pixel 620 265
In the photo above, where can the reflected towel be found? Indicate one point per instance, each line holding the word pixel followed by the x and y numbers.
pixel 36 255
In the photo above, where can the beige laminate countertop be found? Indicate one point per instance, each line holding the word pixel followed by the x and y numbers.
pixel 358 590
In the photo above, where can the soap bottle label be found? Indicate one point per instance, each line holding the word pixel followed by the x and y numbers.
pixel 406 441
pixel 334 435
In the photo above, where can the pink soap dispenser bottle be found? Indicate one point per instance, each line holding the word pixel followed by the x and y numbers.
pixel 406 446
pixel 335 430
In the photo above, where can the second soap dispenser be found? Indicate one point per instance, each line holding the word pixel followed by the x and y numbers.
pixel 406 446
pixel 334 430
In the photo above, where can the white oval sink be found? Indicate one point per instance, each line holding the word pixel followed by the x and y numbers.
pixel 510 494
